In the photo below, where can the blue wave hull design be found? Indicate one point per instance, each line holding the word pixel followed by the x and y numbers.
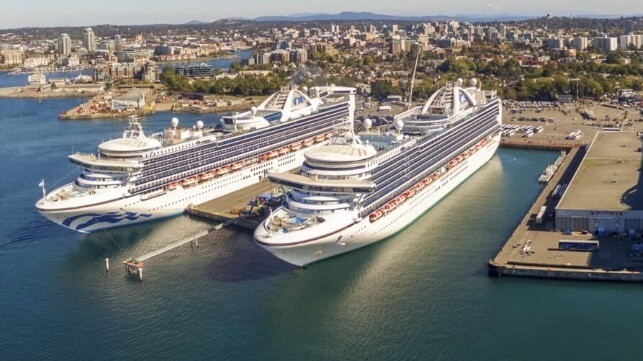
pixel 111 218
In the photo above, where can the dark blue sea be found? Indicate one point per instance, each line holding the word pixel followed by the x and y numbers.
pixel 421 295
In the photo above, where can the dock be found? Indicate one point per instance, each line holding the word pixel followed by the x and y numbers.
pixel 575 234
pixel 234 208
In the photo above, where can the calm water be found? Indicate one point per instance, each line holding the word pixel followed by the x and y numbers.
pixel 422 295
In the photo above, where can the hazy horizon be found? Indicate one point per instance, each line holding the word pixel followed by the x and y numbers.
pixel 81 13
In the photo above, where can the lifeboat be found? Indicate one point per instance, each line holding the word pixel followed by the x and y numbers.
pixel 375 215
pixel 222 171
pixel 296 146
pixel 172 186
pixel 319 138
pixel 188 182
pixel 263 157
pixel 236 166
pixel 418 187
pixel 409 193
pixel 283 150
pixel 451 164
pixel 328 135
pixel 390 206
pixel 399 199
pixel 308 142
pixel 205 177
pixel 273 153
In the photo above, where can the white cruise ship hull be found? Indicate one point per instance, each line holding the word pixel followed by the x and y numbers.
pixel 365 232
pixel 131 210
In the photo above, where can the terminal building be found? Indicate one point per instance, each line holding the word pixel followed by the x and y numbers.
pixel 604 196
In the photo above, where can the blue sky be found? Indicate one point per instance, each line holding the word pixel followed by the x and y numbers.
pixel 87 12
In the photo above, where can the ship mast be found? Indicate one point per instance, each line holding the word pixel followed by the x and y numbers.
pixel 417 58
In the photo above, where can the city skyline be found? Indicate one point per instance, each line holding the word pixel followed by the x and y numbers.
pixel 18 15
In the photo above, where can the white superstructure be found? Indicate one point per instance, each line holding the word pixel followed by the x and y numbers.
pixel 137 177
pixel 358 190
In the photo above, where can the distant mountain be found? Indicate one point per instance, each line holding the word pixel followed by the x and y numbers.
pixel 195 22
pixel 360 16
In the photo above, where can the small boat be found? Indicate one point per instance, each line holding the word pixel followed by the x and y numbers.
pixel 273 153
pixel 263 157
pixel 172 186
pixel 328 135
pixel 409 193
pixel 222 171
pixel 283 150
pixel 188 182
pixel 390 206
pixel 319 138
pixel 205 177
pixel 236 166
pixel 296 146
pixel 418 187
pixel 308 142
pixel 375 215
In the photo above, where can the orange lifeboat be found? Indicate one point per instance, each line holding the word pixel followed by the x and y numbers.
pixel 409 193
pixel 205 177
pixel 319 138
pixel 283 150
pixel 188 182
pixel 172 186
pixel 375 215
pixel 236 166
pixel 451 164
pixel 328 135
pixel 296 146
pixel 308 142
pixel 418 187
pixel 222 171
pixel 273 153
pixel 263 157
pixel 390 206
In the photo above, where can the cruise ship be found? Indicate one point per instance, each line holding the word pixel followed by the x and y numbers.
pixel 138 178
pixel 361 189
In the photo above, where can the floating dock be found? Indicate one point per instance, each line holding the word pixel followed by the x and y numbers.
pixel 589 231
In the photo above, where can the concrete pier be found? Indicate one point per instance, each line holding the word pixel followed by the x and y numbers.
pixel 233 208
pixel 535 248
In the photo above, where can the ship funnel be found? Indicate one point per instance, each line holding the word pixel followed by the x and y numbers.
pixel 175 122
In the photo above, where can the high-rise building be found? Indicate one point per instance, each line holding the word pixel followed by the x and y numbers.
pixel 580 43
pixel 629 26
pixel 89 40
pixel 64 45
pixel 118 43
pixel 625 41
pixel 554 43
pixel 606 43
